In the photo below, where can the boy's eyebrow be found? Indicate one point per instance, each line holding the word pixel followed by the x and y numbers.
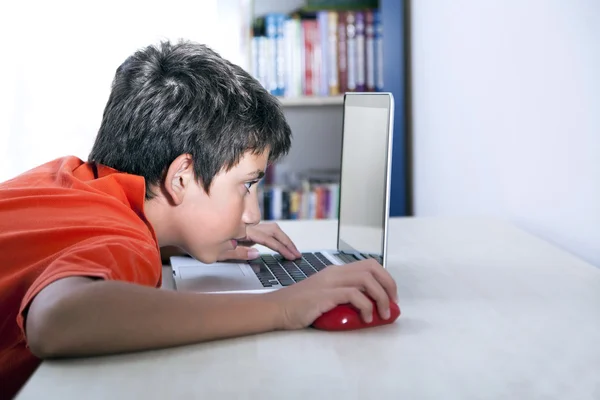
pixel 258 174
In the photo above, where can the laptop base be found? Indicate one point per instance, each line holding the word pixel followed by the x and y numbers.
pixel 270 271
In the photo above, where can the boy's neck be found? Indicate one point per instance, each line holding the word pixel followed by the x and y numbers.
pixel 157 211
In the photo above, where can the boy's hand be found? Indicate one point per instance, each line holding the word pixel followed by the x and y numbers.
pixel 305 301
pixel 269 235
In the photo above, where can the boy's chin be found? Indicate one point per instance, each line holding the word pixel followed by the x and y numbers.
pixel 205 257
pixel 214 253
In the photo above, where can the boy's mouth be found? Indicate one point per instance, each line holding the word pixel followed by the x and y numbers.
pixel 235 243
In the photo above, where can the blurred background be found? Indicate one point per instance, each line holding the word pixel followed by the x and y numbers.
pixel 497 102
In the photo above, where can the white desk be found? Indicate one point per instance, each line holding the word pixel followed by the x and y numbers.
pixel 488 312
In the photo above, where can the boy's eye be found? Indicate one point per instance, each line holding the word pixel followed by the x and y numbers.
pixel 248 185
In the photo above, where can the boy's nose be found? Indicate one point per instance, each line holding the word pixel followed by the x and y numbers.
pixel 252 213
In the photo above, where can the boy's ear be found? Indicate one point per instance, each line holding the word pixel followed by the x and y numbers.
pixel 179 177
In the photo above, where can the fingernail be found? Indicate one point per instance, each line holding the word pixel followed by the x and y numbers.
pixel 252 253
pixel 369 319
pixel 386 314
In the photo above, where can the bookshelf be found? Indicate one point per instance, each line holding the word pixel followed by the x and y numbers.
pixel 314 101
pixel 316 117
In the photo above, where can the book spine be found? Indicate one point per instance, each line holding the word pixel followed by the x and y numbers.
pixel 285 204
pixel 271 54
pixel 360 52
pixel 302 50
pixel 276 203
pixel 370 51
pixel 306 199
pixel 312 205
pixel 324 202
pixel 298 57
pixel 333 79
pixel 316 58
pixel 263 68
pixel 318 202
pixel 254 51
pixel 267 194
pixel 291 64
pixel 342 53
pixel 323 39
pixel 351 50
pixel 378 29
pixel 334 190
pixel 280 54
pixel 307 27
pixel 294 204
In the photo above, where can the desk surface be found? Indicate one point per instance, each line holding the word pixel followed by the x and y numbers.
pixel 488 312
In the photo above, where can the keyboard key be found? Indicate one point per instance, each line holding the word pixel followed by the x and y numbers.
pixel 346 258
pixel 312 259
pixel 376 257
pixel 307 269
pixel 323 259
pixel 272 270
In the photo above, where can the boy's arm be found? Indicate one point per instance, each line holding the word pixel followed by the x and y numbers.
pixel 80 316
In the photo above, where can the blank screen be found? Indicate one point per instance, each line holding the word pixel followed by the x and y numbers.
pixel 364 173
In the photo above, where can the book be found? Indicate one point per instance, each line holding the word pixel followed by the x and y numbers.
pixel 322 53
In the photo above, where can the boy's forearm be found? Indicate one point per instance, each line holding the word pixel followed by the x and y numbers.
pixel 107 317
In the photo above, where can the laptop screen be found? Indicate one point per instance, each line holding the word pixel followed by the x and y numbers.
pixel 364 186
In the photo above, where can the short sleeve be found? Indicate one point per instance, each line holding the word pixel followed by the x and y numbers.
pixel 116 258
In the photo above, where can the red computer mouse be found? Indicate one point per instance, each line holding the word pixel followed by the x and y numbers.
pixel 346 317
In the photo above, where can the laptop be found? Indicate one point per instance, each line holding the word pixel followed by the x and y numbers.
pixel 368 121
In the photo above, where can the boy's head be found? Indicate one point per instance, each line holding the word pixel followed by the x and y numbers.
pixel 184 98
pixel 200 130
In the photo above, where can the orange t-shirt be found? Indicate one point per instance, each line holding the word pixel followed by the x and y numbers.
pixel 66 218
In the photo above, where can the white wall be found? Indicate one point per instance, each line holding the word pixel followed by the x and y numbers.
pixel 506 114
pixel 59 57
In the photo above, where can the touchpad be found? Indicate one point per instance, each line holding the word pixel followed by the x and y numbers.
pixel 216 271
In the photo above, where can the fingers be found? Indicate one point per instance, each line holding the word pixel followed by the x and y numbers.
pixel 355 297
pixel 286 241
pixel 367 276
pixel 271 236
pixel 378 294
pixel 276 245
pixel 382 276
pixel 239 253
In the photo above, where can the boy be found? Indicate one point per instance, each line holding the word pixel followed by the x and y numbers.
pixel 184 139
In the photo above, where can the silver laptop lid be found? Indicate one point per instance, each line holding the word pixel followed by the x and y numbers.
pixel 366 168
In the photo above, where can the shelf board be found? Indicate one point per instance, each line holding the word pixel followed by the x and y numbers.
pixel 306 101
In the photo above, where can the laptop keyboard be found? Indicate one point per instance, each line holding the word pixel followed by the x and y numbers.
pixel 273 270
pixel 377 258
pixel 347 258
